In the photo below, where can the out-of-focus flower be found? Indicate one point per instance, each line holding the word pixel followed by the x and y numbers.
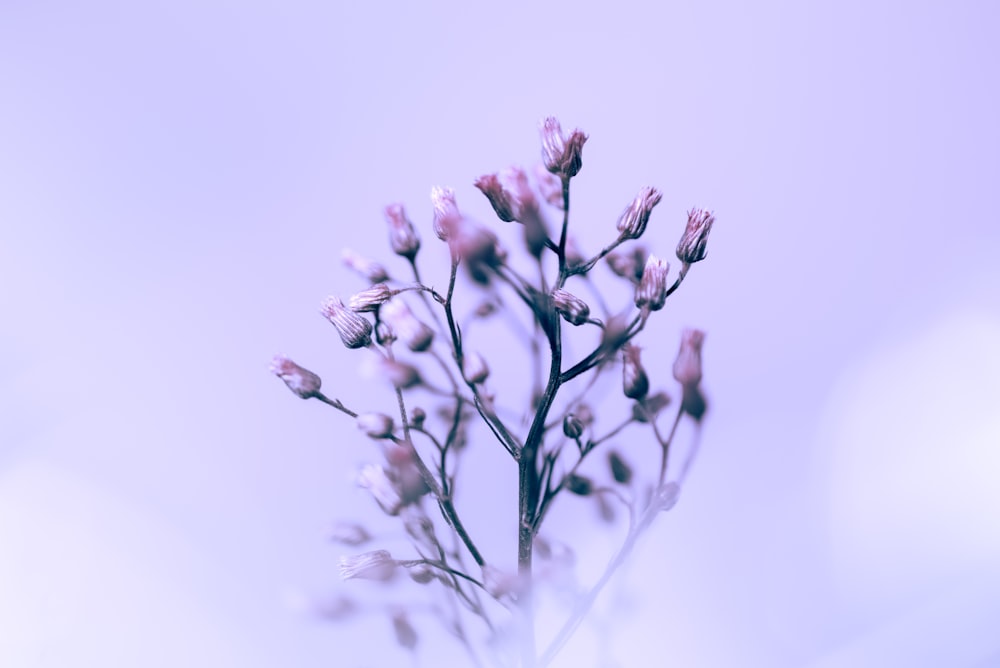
pixel 407 327
pixel 652 290
pixel 475 368
pixel 368 269
pixel 376 425
pixel 635 383
pixel 691 247
pixel 406 635
pixel 374 565
pixel 403 236
pixel 549 186
pixel 349 533
pixel 421 573
pixel 579 485
pixel 620 470
pixel 373 478
pixel 572 426
pixel 687 366
pixel 402 375
pixel 302 382
pixel 368 301
pixel 561 155
pixel 573 309
pixel 446 214
pixel 633 220
pixel 354 330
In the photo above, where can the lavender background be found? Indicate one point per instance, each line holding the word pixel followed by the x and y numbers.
pixel 176 182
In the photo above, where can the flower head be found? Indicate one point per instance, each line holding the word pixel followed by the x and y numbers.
pixel 368 301
pixel 373 478
pixel 407 327
pixel 375 565
pixel 446 214
pixel 501 199
pixel 635 383
pixel 687 366
pixel 561 155
pixel 403 236
pixel 301 381
pixel 691 247
pixel 376 425
pixel 354 330
pixel 573 309
pixel 652 290
pixel 475 368
pixel 368 269
pixel 632 221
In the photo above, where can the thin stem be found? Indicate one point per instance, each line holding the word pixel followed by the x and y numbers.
pixel 335 403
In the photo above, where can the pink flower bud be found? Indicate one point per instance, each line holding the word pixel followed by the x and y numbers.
pixel 375 565
pixel 569 306
pixel 652 290
pixel 421 573
pixel 691 247
pixel 368 301
pixel 635 383
pixel 407 327
pixel 632 221
pixel 302 382
pixel 402 375
pixel 687 366
pixel 561 155
pixel 376 425
pixel 572 427
pixel 475 368
pixel 403 236
pixel 354 330
pixel 500 198
pixel 446 214
pixel 368 269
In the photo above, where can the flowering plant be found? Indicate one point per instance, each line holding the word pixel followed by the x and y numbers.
pixel 550 437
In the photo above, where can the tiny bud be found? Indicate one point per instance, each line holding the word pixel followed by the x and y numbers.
pixel 408 328
pixel 632 221
pixel 579 485
pixel 403 236
pixel 406 635
pixel 687 366
pixel 549 186
pixel 375 565
pixel 691 247
pixel 475 368
pixel 635 383
pixel 561 155
pixel 302 382
pixel 368 269
pixel 421 573
pixel 569 306
pixel 373 478
pixel 666 496
pixel 354 330
pixel 652 290
pixel 500 198
pixel 376 425
pixel 446 214
pixel 572 426
pixel 368 301
pixel 417 417
pixel 620 470
pixel 349 533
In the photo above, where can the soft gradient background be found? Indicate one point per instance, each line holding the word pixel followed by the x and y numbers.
pixel 176 182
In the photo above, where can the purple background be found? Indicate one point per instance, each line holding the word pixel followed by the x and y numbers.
pixel 177 180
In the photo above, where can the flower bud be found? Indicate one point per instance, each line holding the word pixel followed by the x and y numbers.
pixel 417 417
pixel 693 402
pixel 635 383
pixel 368 301
pixel 646 410
pixel 373 478
pixel 349 533
pixel 475 368
pixel 579 485
pixel 302 382
pixel 691 247
pixel 573 309
pixel 687 366
pixel 632 221
pixel 421 573
pixel 446 214
pixel 561 155
pixel 406 635
pixel 408 328
pixel 500 198
pixel 620 470
pixel 403 236
pixel 368 269
pixel 402 375
pixel 549 186
pixel 652 290
pixel 572 427
pixel 375 565
pixel 376 425
pixel 354 330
